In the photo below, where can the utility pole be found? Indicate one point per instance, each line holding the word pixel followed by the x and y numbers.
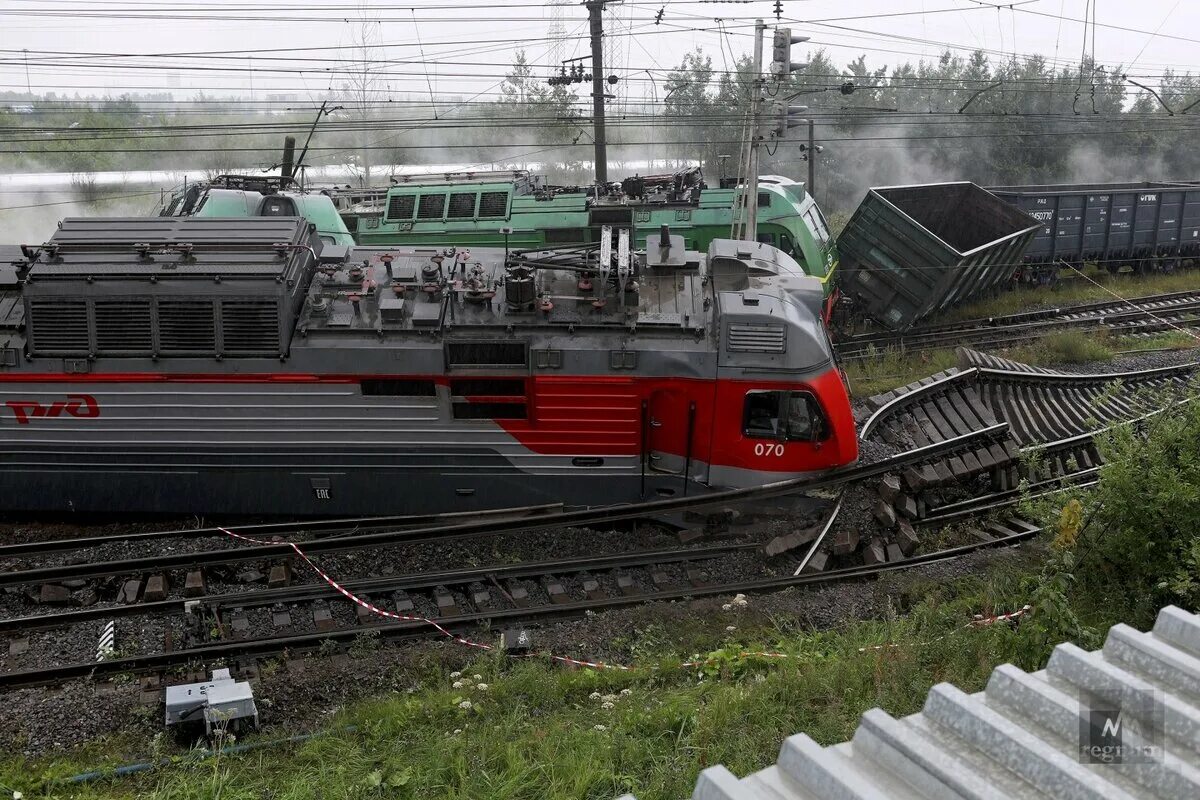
pixel 595 9
pixel 745 218
pixel 745 224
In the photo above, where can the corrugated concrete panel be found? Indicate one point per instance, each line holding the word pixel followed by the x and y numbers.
pixel 1120 722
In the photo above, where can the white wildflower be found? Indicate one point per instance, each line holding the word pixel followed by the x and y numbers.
pixel 626 691
pixel 482 687
pixel 599 728
pixel 457 731
pixel 731 628
pixel 594 696
pixel 609 698
pixel 465 705
pixel 455 674
pixel 456 685
pixel 477 677
pixel 740 601
pixel 727 607
pixel 606 705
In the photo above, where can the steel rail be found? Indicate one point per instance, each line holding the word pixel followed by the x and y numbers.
pixel 1121 320
pixel 421 580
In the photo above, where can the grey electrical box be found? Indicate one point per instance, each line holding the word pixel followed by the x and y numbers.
pixel 216 703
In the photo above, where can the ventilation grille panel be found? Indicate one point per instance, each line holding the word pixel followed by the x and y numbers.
pixel 493 204
pixel 186 326
pixel 401 206
pixel 746 338
pixel 59 326
pixel 123 326
pixel 250 326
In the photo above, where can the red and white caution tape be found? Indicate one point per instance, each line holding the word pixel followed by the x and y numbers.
pixel 979 620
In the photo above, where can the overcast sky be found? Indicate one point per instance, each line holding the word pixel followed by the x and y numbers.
pixel 466 46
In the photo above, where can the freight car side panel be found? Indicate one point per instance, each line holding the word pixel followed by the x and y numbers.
pixel 1132 221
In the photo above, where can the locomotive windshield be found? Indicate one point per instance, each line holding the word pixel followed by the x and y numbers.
pixel 792 416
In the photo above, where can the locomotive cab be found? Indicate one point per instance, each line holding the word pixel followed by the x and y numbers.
pixel 783 411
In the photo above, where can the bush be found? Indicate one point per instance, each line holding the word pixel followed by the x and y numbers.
pixel 1142 544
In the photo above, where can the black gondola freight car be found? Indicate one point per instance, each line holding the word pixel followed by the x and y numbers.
pixel 1148 225
pixel 909 251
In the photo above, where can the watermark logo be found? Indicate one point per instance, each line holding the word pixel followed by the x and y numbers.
pixel 1125 732
pixel 82 406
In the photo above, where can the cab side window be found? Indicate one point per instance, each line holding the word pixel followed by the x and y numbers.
pixel 787 246
pixel 788 416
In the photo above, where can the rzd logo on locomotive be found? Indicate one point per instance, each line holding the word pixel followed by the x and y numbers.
pixel 83 406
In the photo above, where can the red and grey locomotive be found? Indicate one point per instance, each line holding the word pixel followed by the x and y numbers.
pixel 243 366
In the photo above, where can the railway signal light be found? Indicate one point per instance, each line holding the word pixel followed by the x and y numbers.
pixel 781 53
pixel 787 117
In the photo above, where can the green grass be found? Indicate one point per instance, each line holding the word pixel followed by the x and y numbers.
pixel 888 368
pixel 1073 291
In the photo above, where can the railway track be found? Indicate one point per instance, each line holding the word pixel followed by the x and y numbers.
pixel 1141 316
pixel 964 440
pixel 1051 420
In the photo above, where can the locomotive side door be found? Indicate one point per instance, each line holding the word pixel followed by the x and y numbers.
pixel 670 422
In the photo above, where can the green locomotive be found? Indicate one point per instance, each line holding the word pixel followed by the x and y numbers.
pixel 517 210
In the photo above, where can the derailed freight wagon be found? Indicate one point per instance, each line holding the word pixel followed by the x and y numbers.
pixel 909 251
pixel 1145 225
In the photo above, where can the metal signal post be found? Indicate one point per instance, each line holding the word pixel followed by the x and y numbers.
pixel 745 224
pixel 745 218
